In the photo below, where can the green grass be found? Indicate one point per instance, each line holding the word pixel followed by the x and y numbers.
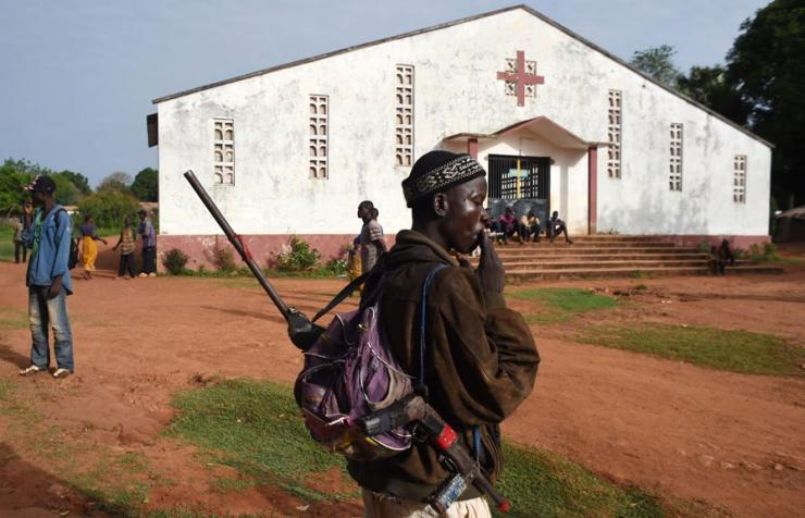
pixel 562 304
pixel 736 351
pixel 543 484
pixel 256 427
pixel 6 243
pixel 11 318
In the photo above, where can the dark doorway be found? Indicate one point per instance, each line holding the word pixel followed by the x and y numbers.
pixel 534 175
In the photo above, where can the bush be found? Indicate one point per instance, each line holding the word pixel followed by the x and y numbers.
pixel 223 258
pixel 175 261
pixel 108 208
pixel 297 256
pixel 763 255
pixel 336 267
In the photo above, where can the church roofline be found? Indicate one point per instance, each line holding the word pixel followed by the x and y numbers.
pixel 446 25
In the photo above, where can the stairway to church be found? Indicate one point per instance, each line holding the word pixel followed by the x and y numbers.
pixel 600 256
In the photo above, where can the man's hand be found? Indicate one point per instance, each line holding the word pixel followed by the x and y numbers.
pixel 490 268
pixel 55 288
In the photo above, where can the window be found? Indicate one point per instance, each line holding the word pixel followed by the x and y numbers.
pixel 318 133
pixel 404 123
pixel 223 161
pixel 614 130
pixel 739 179
pixel 675 163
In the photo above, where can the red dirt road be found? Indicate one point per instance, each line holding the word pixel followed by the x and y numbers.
pixel 734 441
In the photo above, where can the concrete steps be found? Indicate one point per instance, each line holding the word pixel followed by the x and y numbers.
pixel 603 256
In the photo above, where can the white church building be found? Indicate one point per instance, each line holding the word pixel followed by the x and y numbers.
pixel 294 148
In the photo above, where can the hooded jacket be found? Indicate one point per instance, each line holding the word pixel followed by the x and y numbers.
pixel 481 361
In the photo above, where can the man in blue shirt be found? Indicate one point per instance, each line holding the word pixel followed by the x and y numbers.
pixel 146 231
pixel 48 280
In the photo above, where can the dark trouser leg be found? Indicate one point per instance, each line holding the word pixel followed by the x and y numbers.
pixel 149 255
pixel 19 252
pixel 131 265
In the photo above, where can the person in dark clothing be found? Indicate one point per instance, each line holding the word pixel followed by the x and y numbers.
pixel 480 360
pixel 22 225
pixel 148 235
pixel 529 227
pixel 721 257
pixel 556 227
pixel 507 224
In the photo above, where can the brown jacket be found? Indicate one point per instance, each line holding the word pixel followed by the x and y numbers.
pixel 481 360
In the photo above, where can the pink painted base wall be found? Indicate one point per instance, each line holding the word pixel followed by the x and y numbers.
pixel 263 247
pixel 743 242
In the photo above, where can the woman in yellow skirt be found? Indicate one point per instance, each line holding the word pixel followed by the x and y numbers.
pixel 89 250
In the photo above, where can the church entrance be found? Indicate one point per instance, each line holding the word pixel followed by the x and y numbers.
pixel 517 177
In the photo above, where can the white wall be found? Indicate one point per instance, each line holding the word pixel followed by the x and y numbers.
pixel 456 90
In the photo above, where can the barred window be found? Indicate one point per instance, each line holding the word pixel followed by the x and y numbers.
pixel 614 131
pixel 739 179
pixel 675 163
pixel 224 152
pixel 404 123
pixel 318 135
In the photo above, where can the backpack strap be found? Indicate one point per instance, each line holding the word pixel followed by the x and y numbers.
pixel 345 292
pixel 423 317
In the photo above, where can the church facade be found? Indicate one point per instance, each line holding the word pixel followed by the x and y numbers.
pixel 293 149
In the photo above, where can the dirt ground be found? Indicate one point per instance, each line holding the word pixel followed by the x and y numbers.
pixel 734 441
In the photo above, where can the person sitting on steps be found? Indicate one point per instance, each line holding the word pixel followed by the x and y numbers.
pixel 556 226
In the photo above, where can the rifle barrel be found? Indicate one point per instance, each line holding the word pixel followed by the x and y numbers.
pixel 237 242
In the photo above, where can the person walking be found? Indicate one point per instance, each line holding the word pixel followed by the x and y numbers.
pixel 478 356
pixel 48 280
pixel 89 250
pixel 126 243
pixel 146 231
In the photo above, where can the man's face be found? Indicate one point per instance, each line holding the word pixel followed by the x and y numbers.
pixel 462 225
pixel 363 212
pixel 38 198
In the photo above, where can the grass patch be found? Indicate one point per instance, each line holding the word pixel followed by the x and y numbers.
pixel 561 304
pixel 736 351
pixel 6 243
pixel 256 428
pixel 543 484
pixel 11 318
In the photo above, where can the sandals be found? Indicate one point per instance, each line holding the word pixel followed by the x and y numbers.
pixel 31 370
pixel 61 373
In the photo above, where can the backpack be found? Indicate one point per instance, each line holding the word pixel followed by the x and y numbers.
pixel 72 260
pixel 349 373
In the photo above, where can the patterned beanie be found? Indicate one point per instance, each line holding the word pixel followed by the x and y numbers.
pixel 437 171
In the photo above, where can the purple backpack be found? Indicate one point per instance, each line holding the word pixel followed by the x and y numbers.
pixel 349 373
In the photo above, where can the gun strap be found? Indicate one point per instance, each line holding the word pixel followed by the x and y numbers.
pixel 345 292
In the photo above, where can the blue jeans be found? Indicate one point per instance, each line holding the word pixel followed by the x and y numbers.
pixel 44 313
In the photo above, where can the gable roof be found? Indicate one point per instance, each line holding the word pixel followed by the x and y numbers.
pixel 468 19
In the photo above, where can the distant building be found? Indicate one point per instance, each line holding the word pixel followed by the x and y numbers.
pixel 293 149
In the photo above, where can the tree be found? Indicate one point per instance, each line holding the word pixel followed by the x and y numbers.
pixel 117 181
pixel 767 63
pixel 79 180
pixel 12 188
pixel 709 86
pixel 109 207
pixel 658 63
pixel 66 192
pixel 146 185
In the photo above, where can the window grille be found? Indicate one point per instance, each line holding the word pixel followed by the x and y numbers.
pixel 675 162
pixel 739 179
pixel 404 123
pixel 224 152
pixel 614 131
pixel 318 135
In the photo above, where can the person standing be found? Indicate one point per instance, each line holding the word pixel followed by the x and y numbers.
pixel 478 356
pixel 48 280
pixel 20 225
pixel 127 244
pixel 372 242
pixel 146 231
pixel 89 250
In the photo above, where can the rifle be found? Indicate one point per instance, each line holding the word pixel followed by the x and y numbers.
pixel 302 331
pixel 413 409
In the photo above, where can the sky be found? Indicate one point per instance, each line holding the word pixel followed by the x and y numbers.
pixel 77 77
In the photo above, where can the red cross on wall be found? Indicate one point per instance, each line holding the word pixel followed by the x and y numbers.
pixel 521 78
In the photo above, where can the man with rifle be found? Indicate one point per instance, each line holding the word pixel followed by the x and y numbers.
pixel 479 361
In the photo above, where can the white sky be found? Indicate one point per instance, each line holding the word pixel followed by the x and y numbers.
pixel 77 76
